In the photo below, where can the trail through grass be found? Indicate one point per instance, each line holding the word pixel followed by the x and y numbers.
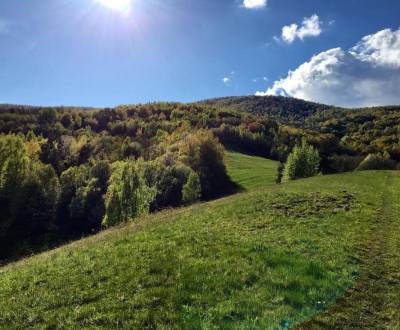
pixel 374 301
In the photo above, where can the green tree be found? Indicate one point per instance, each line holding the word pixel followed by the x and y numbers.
pixel 28 191
pixel 191 191
pixel 81 203
pixel 205 155
pixel 14 168
pixel 37 202
pixel 303 162
pixel 128 194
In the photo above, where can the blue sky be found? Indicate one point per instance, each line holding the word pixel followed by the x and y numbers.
pixel 81 52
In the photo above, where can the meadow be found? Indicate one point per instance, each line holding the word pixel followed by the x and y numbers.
pixel 268 258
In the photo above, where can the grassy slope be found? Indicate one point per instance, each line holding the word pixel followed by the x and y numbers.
pixel 374 300
pixel 267 258
pixel 251 172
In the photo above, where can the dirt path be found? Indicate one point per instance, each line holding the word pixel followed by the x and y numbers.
pixel 374 301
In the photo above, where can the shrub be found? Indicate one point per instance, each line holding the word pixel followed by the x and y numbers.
pixel 303 162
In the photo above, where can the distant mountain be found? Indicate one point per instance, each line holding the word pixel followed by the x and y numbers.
pixel 285 110
pixel 310 115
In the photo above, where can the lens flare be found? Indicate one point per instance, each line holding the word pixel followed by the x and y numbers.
pixel 118 5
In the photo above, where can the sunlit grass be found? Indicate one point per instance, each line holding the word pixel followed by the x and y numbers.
pixel 251 172
pixel 238 262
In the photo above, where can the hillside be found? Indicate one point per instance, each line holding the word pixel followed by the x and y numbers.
pixel 358 132
pixel 292 111
pixel 268 258
pixel 66 171
pixel 286 110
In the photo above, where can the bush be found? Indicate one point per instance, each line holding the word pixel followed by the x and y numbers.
pixel 128 194
pixel 303 162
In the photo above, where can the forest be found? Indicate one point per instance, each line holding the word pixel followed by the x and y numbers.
pixel 69 172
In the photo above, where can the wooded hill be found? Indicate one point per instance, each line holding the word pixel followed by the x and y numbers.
pixel 360 132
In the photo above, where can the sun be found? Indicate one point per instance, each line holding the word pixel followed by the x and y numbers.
pixel 119 5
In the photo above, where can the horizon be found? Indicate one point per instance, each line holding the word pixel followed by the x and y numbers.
pixel 60 106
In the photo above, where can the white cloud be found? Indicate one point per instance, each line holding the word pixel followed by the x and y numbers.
pixel 254 4
pixel 381 48
pixel 311 27
pixel 366 75
pixel 226 81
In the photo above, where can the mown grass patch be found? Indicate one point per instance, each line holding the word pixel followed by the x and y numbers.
pixel 232 263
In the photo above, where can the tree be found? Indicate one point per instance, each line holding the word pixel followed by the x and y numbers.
pixel 81 203
pixel 205 155
pixel 128 194
pixel 14 168
pixel 71 205
pixel 303 162
pixel 191 191
pixel 28 191
pixel 37 202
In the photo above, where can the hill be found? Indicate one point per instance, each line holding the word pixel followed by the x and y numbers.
pixel 268 258
pixel 286 110
pixel 358 132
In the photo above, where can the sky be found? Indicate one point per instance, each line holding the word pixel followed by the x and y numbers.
pixel 108 52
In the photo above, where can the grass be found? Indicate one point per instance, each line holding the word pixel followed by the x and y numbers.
pixel 251 172
pixel 270 258
pixel 374 300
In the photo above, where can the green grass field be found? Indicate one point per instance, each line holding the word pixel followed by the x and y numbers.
pixel 251 172
pixel 269 258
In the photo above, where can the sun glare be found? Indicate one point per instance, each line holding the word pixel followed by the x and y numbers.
pixel 119 5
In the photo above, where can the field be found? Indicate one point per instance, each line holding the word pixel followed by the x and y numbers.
pixel 251 172
pixel 324 249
